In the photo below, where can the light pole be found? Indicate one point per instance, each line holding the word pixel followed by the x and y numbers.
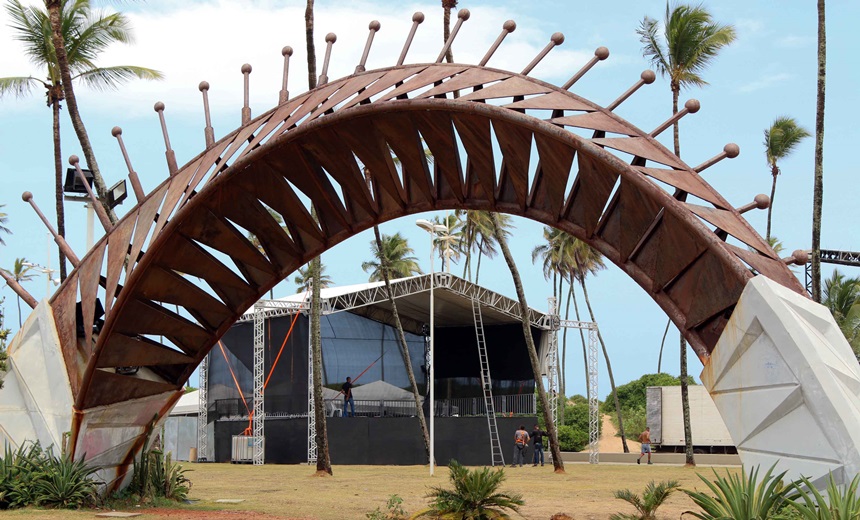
pixel 47 271
pixel 432 229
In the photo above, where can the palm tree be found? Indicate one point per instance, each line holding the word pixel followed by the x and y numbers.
pixel 691 40
pixel 3 229
pixel 530 344
pixel 780 140
pixel 303 279
pixel 20 273
pixel 842 297
pixel 87 34
pixel 818 186
pixel 4 333
pixel 391 258
pixel 478 237
pixel 450 243
pixel 475 496
pixel 447 5
pixel 646 505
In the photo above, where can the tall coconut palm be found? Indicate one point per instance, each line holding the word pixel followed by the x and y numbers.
pixel 447 6
pixel 780 140
pixel 3 229
pixel 818 185
pixel 87 33
pixel 530 344
pixel 842 297
pixel 691 40
pixel 478 238
pixel 20 272
pixel 450 243
pixel 323 458
pixel 385 268
pixel 391 257
pixel 76 50
pixel 304 278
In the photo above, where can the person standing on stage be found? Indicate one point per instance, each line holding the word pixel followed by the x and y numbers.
pixel 346 389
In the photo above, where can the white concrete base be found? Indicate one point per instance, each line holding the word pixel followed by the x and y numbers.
pixel 787 385
pixel 36 399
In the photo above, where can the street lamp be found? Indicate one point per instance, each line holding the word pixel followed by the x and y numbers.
pixel 433 229
pixel 47 271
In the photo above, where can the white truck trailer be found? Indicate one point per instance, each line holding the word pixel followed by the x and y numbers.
pixel 666 420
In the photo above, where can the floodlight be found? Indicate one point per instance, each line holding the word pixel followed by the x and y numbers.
pixel 73 183
pixel 116 194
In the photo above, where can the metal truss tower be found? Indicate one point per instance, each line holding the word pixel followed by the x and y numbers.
pixel 593 414
pixel 259 418
pixel 312 418
pixel 552 369
pixel 202 411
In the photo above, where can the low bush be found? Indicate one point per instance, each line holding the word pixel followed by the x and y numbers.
pixel 646 505
pixel 475 496
pixel 393 510
pixel 156 475
pixel 741 497
pixel 838 503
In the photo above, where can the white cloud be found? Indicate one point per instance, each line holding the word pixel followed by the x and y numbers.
pixel 764 82
pixel 794 42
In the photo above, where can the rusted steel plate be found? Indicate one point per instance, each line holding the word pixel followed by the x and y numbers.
pixel 145 222
pixel 153 319
pixel 161 285
pixel 773 269
pixel 63 307
pixel 467 79
pixel 426 77
pixel 590 193
pixel 678 247
pixel 175 191
pixel 274 123
pixel 514 86
pixel 694 289
pixel 211 159
pixel 310 105
pixel 641 147
pixel 124 351
pixel 109 388
pixel 438 132
pixel 595 121
pixel 118 242
pixel 550 181
pixel 638 212
pixel 474 132
pixel 189 258
pixel 350 88
pixel 515 142
pixel 391 78
pixel 734 225
pixel 685 180
pixel 90 275
pixel 554 101
pixel 402 135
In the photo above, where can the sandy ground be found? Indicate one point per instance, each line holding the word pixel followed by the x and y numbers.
pixel 611 443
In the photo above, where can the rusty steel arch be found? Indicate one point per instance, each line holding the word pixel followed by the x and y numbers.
pixel 179 265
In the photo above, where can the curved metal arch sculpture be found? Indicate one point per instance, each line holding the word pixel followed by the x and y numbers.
pixel 179 264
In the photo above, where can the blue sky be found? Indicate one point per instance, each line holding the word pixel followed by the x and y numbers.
pixel 770 71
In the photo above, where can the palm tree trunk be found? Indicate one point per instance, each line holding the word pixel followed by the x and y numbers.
pixel 584 347
pixel 72 103
pixel 557 463
pixel 563 382
pixel 58 183
pixel 818 190
pixel 309 37
pixel 675 91
pixel 685 402
pixel 774 172
pixel 662 344
pixel 478 267
pixel 19 312
pixel 608 369
pixel 323 459
pixel 447 5
pixel 404 347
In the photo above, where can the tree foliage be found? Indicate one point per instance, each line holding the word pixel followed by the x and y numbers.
pixel 632 394
pixel 475 496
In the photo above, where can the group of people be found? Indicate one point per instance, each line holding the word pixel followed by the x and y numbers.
pixel 521 442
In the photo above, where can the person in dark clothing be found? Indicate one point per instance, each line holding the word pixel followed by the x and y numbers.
pixel 347 398
pixel 537 436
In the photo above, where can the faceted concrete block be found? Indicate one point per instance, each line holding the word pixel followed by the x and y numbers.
pixel 787 385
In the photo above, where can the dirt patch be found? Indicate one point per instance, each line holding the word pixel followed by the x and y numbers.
pixel 217 515
pixel 611 443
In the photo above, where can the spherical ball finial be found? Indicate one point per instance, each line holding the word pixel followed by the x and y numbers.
pixel 204 85
pixel 115 131
pixel 693 106
pixel 330 38
pixel 73 160
pixel 287 51
pixel 464 14
pixel 762 201
pixel 648 76
pixel 374 25
pixel 159 106
pixel 602 53
pixel 418 17
pixel 800 257
pixel 26 196
pixel 557 38
pixel 732 150
pixel 510 26
pixel 246 68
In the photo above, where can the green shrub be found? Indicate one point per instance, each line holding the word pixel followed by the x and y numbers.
pixel 646 505
pixel 741 497
pixel 156 475
pixel 393 510
pixel 65 483
pixel 572 439
pixel 632 394
pixel 841 502
pixel 635 421
pixel 475 496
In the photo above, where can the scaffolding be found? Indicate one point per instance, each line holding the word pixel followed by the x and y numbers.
pixel 552 361
pixel 202 413
pixel 259 415
pixel 593 411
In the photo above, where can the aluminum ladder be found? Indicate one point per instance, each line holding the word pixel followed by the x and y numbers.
pixel 497 457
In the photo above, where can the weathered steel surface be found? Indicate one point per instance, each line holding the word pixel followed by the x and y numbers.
pixel 190 270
